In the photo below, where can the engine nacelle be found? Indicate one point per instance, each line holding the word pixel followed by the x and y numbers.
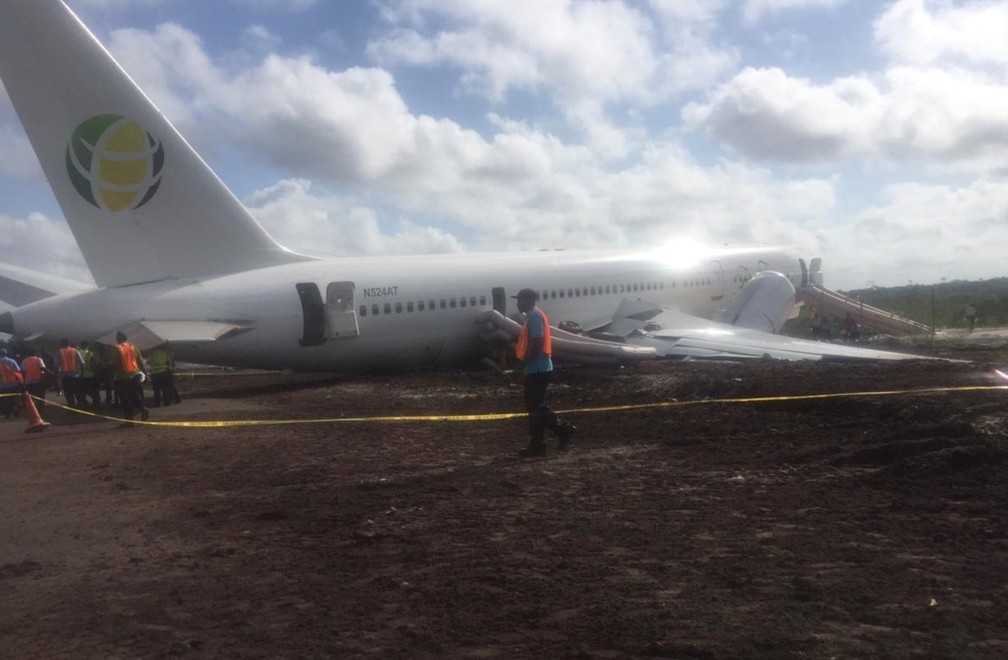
pixel 764 303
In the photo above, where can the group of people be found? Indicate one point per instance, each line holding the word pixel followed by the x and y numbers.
pixel 82 371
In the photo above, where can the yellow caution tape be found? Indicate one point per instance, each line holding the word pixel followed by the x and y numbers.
pixel 490 417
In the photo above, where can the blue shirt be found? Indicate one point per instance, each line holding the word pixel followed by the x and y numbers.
pixel 537 330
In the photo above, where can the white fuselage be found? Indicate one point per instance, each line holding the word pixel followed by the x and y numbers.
pixel 401 312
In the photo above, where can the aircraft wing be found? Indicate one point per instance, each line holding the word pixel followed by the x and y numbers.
pixel 672 333
pixel 148 334
pixel 20 286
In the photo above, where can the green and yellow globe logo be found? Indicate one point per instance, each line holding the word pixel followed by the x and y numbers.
pixel 114 163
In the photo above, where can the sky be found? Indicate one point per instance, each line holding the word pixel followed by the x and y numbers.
pixel 871 134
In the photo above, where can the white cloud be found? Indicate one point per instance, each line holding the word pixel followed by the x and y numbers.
pixel 42 244
pixel 171 67
pixel 753 10
pixel 584 56
pixel 942 118
pixel 923 32
pixel 923 233
pixel 598 49
pixel 113 4
pixel 329 225
pixel 767 114
pixel 277 5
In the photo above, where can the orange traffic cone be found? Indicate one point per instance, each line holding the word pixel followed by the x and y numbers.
pixel 35 421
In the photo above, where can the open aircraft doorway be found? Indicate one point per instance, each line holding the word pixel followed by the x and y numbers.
pixel 717 280
pixel 340 317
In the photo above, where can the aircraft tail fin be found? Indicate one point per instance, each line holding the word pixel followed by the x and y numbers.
pixel 139 200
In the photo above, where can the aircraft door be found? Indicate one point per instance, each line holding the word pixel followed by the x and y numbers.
pixel 313 313
pixel 717 281
pixel 499 299
pixel 340 317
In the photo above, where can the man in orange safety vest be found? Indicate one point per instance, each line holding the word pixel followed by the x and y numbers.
pixel 535 349
pixel 129 378
pixel 34 370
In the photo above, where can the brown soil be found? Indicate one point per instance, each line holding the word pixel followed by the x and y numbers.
pixel 865 526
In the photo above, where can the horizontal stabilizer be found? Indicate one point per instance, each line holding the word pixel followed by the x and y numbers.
pixel 21 286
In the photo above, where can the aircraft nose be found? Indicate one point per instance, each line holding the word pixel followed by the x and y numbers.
pixel 7 323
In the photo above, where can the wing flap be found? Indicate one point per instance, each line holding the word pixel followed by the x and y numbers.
pixel 148 334
pixel 682 335
pixel 566 345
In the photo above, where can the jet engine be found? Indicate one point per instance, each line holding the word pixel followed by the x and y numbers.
pixel 764 303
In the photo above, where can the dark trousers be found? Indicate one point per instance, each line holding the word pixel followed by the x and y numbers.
pixel 8 404
pixel 37 390
pixel 163 384
pixel 130 393
pixel 539 414
pixel 87 386
pixel 71 391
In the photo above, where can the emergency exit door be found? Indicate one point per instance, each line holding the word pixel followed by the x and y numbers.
pixel 340 316
pixel 717 281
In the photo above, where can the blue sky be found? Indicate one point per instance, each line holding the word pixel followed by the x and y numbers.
pixel 871 134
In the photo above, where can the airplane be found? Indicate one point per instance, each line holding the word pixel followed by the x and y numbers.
pixel 176 257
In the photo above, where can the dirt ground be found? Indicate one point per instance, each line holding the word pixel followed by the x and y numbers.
pixel 866 526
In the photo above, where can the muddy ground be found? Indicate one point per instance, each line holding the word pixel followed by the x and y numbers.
pixel 864 526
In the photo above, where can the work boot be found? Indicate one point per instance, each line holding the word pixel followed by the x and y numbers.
pixel 564 433
pixel 535 449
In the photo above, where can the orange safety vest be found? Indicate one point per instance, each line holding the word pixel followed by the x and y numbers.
pixel 523 339
pixel 8 375
pixel 68 360
pixel 127 358
pixel 32 366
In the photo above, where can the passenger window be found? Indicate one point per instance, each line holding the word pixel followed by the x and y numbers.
pixel 374 309
pixel 430 303
pixel 472 301
pixel 561 293
pixel 482 301
pixel 363 310
pixel 443 303
pixel 462 302
pixel 388 308
pixel 398 308
pixel 409 306
pixel 451 303
pixel 420 306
